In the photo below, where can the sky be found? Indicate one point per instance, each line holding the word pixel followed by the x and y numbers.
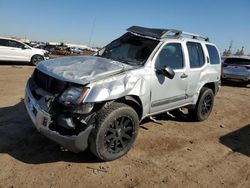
pixel 98 22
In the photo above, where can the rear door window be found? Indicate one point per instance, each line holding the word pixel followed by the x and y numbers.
pixel 213 54
pixel 196 55
pixel 3 42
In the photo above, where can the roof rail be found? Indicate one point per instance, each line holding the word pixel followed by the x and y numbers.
pixel 195 36
pixel 164 33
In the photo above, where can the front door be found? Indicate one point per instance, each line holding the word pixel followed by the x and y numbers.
pixel 169 93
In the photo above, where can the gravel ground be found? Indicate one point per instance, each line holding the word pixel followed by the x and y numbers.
pixel 175 153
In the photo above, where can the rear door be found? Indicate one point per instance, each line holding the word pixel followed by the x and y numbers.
pixel 197 66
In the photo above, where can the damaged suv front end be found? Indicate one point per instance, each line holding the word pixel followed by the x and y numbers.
pixel 41 113
pixel 63 95
pixel 55 98
pixel 98 101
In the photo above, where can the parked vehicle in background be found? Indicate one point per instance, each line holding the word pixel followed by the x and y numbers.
pixel 98 101
pixel 236 68
pixel 75 50
pixel 47 47
pixel 13 50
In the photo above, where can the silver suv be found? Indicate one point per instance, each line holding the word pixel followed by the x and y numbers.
pixel 98 101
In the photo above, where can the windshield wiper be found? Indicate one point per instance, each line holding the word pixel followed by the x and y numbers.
pixel 134 61
pixel 120 60
pixel 125 61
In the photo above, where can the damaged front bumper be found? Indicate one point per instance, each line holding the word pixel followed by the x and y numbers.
pixel 42 120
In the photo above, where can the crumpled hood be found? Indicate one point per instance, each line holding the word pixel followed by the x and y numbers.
pixel 81 69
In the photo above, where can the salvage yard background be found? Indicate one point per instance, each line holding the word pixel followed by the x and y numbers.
pixel 177 152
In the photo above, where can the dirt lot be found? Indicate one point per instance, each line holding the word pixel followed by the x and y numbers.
pixel 175 153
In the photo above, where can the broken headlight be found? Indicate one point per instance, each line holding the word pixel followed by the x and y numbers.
pixel 74 95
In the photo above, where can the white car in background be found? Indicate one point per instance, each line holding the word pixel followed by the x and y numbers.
pixel 13 50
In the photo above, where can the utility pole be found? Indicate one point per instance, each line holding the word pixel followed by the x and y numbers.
pixel 231 44
pixel 230 48
pixel 91 32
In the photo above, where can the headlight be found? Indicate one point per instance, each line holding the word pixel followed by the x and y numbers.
pixel 74 95
pixel 46 53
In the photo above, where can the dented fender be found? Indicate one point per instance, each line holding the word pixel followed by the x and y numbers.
pixel 121 85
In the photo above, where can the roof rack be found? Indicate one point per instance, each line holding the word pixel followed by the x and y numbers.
pixel 195 36
pixel 164 33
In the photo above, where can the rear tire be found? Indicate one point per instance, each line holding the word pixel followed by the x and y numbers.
pixel 36 59
pixel 204 105
pixel 115 132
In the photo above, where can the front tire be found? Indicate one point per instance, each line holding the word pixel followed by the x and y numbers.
pixel 36 59
pixel 115 132
pixel 204 105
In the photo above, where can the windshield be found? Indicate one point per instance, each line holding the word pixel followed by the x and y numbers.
pixel 129 49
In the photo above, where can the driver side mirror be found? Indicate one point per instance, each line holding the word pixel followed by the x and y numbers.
pixel 167 72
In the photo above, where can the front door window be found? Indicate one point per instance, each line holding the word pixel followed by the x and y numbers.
pixel 170 56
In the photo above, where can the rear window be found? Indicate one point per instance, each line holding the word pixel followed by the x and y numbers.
pixel 213 54
pixel 237 61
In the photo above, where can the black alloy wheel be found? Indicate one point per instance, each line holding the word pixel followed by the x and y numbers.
pixel 115 131
pixel 204 105
pixel 119 134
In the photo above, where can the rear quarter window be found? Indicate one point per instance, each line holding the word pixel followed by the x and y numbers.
pixel 213 54
pixel 3 42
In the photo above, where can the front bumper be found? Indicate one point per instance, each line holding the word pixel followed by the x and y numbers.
pixel 43 119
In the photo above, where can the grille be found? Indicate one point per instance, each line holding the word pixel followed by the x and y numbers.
pixel 48 83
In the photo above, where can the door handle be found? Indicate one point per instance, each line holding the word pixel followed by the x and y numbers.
pixel 184 75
